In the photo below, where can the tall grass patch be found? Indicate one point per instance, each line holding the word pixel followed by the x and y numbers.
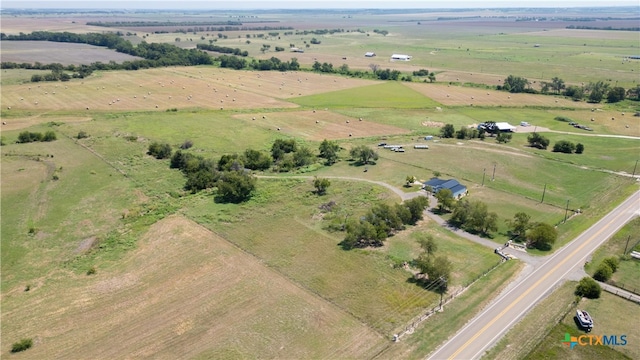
pixel 75 196
pixel 282 227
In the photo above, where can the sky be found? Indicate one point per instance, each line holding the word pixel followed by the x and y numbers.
pixel 311 4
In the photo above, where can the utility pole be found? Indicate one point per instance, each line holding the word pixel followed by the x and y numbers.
pixel 493 177
pixel 625 247
pixel 543 192
pixel 634 169
pixel 566 211
pixel 484 172
pixel 441 279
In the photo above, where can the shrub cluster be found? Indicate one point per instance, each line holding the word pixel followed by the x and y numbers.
pixel 159 151
pixel 588 288
pixel 605 270
pixel 21 345
pixel 474 216
pixel 383 221
pixel 568 147
pixel 233 182
pixel 27 137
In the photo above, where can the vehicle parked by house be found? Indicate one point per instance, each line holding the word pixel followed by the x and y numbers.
pixel 585 320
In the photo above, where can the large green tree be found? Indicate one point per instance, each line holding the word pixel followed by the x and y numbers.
pixel 519 225
pixel 564 146
pixel 589 288
pixel 236 186
pixel 329 151
pixel 281 147
pixel 447 131
pixel 437 268
pixel 303 156
pixel 515 84
pixel 557 84
pixel 256 160
pixel 427 243
pixel 363 154
pixel 445 199
pixel 159 150
pixel 416 207
pixel 616 94
pixel 597 91
pixel 321 185
pixel 542 236
pixel 538 141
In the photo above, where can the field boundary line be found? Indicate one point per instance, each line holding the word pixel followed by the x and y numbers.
pixel 97 155
pixel 285 276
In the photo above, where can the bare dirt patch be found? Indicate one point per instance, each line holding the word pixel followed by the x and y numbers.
pixel 435 124
pixel 318 125
pixel 85 245
pixel 458 95
pixel 186 292
pixel 48 52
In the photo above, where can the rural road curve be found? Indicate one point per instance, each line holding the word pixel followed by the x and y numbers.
pixel 403 195
pixel 487 327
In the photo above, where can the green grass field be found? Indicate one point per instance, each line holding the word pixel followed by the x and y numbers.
pixel 540 333
pixel 612 316
pixel 386 95
pixel 627 274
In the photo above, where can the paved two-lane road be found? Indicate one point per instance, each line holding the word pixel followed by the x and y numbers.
pixel 487 327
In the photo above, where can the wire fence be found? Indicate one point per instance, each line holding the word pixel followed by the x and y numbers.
pixel 416 321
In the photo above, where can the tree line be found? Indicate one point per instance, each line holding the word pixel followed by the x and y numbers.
pixel 382 221
pixel 473 216
pixel 223 49
pixel 28 136
pixel 161 55
pixel 154 54
pixel 593 92
pixel 230 174
pixel 208 24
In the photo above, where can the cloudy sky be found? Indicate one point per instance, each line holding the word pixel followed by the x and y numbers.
pixel 280 4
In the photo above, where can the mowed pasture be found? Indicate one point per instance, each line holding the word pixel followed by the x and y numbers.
pixel 468 96
pixel 319 125
pixel 162 89
pixel 47 52
pixel 184 292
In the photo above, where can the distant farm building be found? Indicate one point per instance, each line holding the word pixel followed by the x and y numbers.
pixel 496 127
pixel 420 146
pixel 505 127
pixel 297 50
pixel 457 190
pixel 369 54
pixel 400 57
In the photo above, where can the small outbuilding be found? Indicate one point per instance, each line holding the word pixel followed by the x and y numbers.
pixel 505 127
pixel 457 190
pixel 400 57
pixel 369 54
